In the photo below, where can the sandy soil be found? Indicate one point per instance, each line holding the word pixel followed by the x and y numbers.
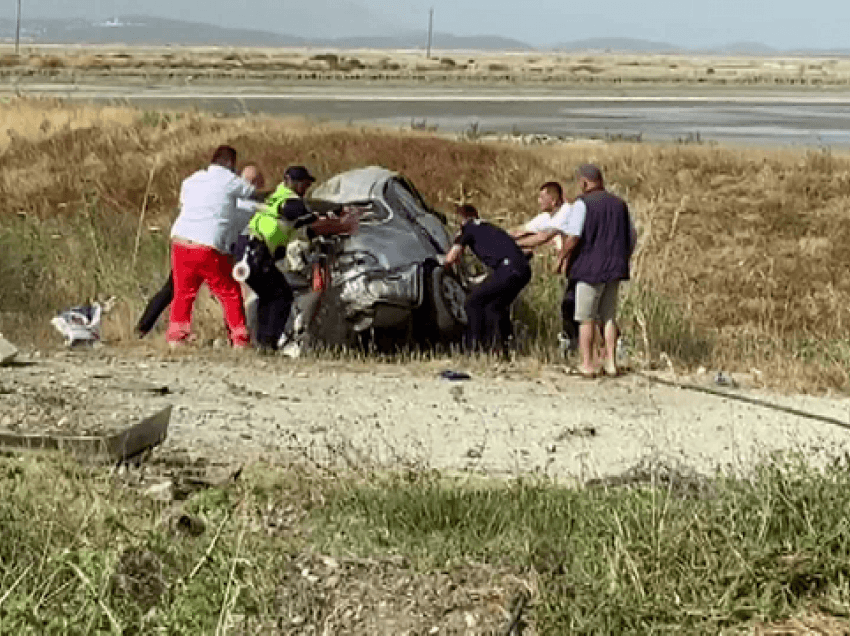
pixel 506 420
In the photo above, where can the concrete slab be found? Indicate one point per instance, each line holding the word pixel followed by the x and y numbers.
pixel 121 446
pixel 8 351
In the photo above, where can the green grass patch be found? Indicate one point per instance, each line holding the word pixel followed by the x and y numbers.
pixel 614 560
pixel 83 553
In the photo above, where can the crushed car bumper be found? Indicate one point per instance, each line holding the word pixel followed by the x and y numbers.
pixel 378 298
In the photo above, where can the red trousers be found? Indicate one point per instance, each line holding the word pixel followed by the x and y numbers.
pixel 193 265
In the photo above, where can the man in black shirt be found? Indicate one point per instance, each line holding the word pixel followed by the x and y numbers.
pixel 488 306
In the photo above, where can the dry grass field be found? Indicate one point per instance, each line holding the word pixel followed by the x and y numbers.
pixel 740 262
pixel 544 68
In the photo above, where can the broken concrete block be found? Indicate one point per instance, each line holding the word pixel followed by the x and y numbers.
pixel 8 351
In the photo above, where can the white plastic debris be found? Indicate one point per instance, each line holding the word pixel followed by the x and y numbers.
pixel 79 325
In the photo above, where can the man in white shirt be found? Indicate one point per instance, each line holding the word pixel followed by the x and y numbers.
pixel 201 237
pixel 160 301
pixel 550 226
pixel 550 198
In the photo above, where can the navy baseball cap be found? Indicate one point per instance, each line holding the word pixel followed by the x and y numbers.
pixel 299 173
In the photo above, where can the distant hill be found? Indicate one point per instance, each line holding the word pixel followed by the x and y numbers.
pixel 139 30
pixel 143 30
pixel 152 31
pixel 636 45
pixel 618 45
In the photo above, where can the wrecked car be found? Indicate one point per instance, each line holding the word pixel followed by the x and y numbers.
pixel 384 285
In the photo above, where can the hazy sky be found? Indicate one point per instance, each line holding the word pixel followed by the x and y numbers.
pixel 777 23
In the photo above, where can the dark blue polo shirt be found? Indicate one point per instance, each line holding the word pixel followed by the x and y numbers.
pixel 605 245
pixel 491 244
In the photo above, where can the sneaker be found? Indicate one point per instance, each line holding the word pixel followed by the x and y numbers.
pixel 291 349
pixel 565 344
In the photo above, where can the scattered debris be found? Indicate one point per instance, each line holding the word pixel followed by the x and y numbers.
pixel 454 376
pixel 724 379
pixel 141 387
pixel 576 431
pixel 79 325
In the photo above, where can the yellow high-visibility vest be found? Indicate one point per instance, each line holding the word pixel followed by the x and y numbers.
pixel 268 225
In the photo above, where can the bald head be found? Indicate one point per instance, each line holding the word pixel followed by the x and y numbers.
pixel 251 173
pixel 589 178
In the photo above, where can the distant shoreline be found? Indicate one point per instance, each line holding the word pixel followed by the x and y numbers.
pixel 413 92
pixel 756 118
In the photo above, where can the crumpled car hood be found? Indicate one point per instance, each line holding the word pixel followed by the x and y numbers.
pixel 354 185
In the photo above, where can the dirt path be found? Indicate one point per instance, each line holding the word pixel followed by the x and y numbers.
pixel 507 421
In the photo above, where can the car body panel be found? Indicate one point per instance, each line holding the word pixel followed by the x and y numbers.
pixel 379 277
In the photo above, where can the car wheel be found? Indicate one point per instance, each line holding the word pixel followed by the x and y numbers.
pixel 449 301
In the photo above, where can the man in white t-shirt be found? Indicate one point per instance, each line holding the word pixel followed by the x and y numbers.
pixel 549 227
pixel 201 238
pixel 550 198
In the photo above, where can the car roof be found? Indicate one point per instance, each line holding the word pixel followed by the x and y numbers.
pixel 354 185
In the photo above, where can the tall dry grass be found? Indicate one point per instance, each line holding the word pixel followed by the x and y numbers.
pixel 740 260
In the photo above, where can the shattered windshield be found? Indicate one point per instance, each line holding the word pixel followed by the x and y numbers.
pixel 402 196
pixel 369 211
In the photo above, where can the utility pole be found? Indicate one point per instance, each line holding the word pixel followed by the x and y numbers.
pixel 18 30
pixel 430 29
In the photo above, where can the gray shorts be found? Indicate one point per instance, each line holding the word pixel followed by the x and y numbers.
pixel 597 302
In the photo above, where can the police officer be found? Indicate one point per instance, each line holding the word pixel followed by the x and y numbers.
pixel 488 306
pixel 269 231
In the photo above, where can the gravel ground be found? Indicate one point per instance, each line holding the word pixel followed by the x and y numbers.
pixel 508 419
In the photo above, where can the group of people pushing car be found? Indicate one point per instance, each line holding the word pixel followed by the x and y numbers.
pixel 227 218
pixel 595 238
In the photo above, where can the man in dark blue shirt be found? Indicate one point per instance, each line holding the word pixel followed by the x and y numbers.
pixel 488 306
pixel 596 254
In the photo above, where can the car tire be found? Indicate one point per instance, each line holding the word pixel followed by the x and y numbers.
pixel 448 299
